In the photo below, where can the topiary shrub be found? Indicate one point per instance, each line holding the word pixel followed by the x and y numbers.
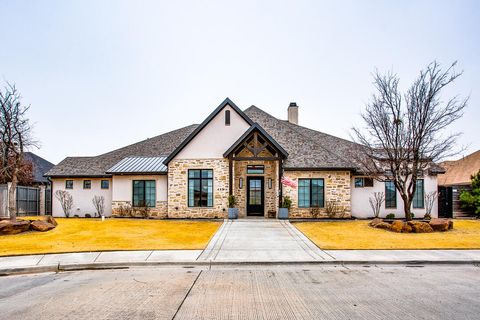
pixel 390 216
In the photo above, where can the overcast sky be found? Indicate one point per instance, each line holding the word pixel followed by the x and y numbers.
pixel 103 74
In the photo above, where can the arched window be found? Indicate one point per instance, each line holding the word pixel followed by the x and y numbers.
pixel 227 117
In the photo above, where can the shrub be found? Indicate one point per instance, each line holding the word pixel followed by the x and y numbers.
pixel 232 201
pixel 390 216
pixel 88 215
pixel 470 200
pixel 287 202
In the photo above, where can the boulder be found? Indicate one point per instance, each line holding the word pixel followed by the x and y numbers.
pixel 51 220
pixel 375 221
pixel 40 225
pixel 440 224
pixel 406 228
pixel 420 227
pixel 13 227
pixel 396 226
pixel 383 225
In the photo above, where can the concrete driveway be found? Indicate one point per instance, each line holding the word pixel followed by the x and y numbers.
pixel 256 240
pixel 246 292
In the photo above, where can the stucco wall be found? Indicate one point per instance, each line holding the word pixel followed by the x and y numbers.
pixel 82 198
pixel 336 188
pixel 216 137
pixel 361 206
pixel 122 192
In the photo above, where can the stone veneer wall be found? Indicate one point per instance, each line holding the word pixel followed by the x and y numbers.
pixel 178 188
pixel 270 195
pixel 160 210
pixel 337 189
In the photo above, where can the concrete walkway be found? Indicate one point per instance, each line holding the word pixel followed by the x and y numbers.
pixel 261 240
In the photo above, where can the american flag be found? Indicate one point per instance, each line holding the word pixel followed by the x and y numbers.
pixel 288 182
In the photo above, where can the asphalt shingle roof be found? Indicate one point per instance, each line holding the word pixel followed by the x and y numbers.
pixel 306 148
pixel 161 145
pixel 40 166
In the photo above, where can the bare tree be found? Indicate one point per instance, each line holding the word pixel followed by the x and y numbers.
pixel 376 202
pixel 99 204
pixel 66 201
pixel 15 135
pixel 404 132
pixel 430 198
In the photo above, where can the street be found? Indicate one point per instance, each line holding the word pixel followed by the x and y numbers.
pixel 247 292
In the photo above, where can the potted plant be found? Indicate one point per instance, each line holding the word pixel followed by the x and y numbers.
pixel 283 211
pixel 232 211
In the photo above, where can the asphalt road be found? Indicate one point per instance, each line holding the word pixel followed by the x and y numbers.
pixel 248 292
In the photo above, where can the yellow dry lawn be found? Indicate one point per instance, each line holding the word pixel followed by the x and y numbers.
pixel 75 235
pixel 358 235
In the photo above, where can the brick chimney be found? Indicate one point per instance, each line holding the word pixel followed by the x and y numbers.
pixel 293 113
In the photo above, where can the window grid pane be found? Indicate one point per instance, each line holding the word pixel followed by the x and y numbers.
pixel 390 195
pixel 418 197
pixel 200 188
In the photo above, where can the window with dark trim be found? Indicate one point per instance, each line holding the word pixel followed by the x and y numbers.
pixel 311 193
pixel 200 188
pixel 363 182
pixel 144 193
pixel 390 195
pixel 255 169
pixel 418 197
pixel 68 184
pixel 87 184
pixel 227 117
pixel 105 184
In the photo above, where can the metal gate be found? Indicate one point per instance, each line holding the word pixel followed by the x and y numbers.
pixel 445 202
pixel 28 201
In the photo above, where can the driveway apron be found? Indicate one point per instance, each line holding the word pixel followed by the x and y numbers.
pixel 261 240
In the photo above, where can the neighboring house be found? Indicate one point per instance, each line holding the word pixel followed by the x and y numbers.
pixel 455 180
pixel 34 199
pixel 190 172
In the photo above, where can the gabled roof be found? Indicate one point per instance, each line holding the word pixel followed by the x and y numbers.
pixel 256 127
pixel 161 145
pixel 212 115
pixel 307 148
pixel 133 165
pixel 459 172
pixel 40 166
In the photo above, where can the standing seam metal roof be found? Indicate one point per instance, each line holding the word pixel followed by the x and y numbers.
pixel 139 165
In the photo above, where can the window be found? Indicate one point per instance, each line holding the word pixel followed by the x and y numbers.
pixel 105 184
pixel 68 184
pixel 200 188
pixel 144 193
pixel 255 169
pixel 363 182
pixel 87 184
pixel 419 195
pixel 390 195
pixel 227 117
pixel 310 193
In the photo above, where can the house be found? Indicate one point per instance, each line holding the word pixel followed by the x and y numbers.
pixel 190 172
pixel 455 180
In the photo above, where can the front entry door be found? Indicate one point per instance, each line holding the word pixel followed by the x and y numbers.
pixel 255 196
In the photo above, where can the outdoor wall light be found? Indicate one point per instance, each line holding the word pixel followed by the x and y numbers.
pixel 240 183
pixel 269 183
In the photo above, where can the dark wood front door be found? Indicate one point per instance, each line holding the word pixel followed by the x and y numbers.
pixel 445 202
pixel 255 196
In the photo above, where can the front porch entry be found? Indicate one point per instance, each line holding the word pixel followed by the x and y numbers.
pixel 255 170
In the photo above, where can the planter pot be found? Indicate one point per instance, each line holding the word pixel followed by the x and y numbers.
pixel 232 213
pixel 283 213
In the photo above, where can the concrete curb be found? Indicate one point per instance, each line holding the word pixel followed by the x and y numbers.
pixel 190 264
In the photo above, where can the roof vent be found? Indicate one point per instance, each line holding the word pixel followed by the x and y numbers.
pixel 293 113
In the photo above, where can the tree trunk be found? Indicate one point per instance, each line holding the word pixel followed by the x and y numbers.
pixel 12 205
pixel 407 204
